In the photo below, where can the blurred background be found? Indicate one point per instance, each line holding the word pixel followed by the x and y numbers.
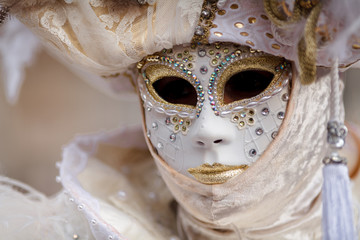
pixel 55 105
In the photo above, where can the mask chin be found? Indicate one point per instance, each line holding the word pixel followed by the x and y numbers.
pixel 241 100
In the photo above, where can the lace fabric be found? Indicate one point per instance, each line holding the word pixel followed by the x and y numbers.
pixel 106 37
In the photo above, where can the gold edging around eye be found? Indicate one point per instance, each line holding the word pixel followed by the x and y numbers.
pixel 262 63
pixel 155 72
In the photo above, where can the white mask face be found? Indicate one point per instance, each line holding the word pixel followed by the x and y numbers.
pixel 211 111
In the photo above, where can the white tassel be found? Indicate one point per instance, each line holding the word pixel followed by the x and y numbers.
pixel 337 221
pixel 337 204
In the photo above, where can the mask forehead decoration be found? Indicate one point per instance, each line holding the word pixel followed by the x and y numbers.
pixel 212 110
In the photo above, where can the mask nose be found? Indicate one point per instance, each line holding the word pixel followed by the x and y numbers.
pixel 207 141
pixel 213 131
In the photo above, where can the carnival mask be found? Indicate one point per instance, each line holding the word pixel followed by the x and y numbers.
pixel 211 111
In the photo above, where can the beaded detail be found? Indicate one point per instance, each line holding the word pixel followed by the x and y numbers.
pixel 180 124
pixel 182 64
pixel 202 30
pixel 243 118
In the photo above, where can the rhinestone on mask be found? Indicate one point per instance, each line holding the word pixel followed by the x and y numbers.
pixel 221 62
pixel 160 145
pixel 203 70
pixel 199 31
pixel 274 134
pixel 285 97
pixel 259 131
pixel 182 68
pixel 154 125
pixel 167 121
pixel 244 117
pixel 173 137
pixel 205 13
pixel 202 52
pixel 252 153
pixel 281 115
pixel 265 111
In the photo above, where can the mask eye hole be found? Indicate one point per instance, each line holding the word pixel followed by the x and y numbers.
pixel 176 90
pixel 246 84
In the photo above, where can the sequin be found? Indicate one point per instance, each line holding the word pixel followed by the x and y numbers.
pixel 275 46
pixel 250 43
pixel 252 20
pixel 239 25
pixel 154 125
pixel 269 35
pixel 173 137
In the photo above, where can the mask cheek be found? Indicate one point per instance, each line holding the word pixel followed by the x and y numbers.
pixel 166 135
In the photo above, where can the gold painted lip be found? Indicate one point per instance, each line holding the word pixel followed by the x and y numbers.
pixel 216 173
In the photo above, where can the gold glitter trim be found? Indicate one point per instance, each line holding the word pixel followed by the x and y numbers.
pixel 205 23
pixel 263 63
pixel 216 173
pixel 158 71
